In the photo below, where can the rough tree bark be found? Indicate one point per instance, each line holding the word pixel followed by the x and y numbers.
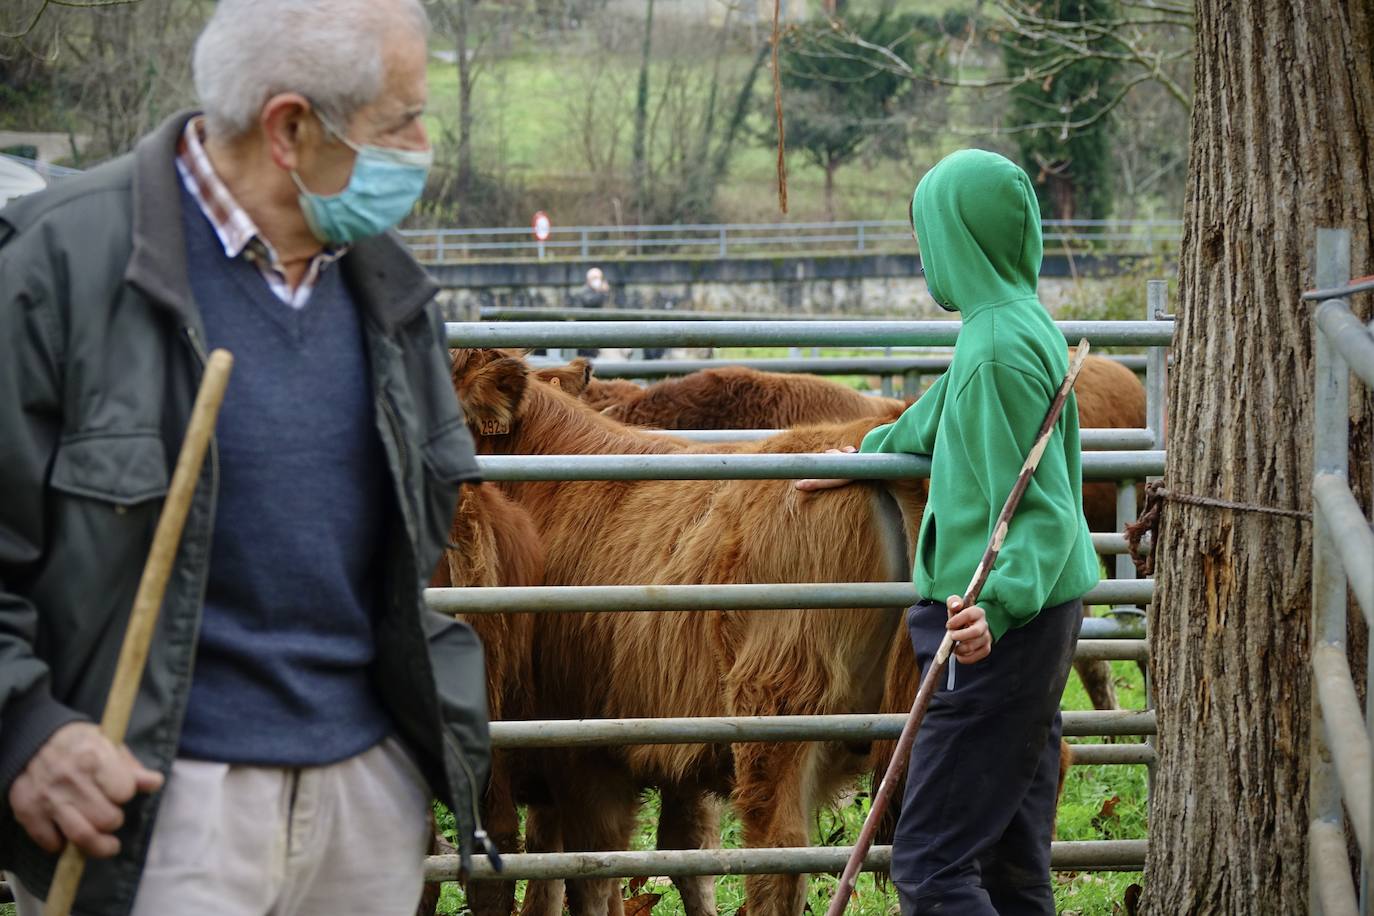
pixel 1282 143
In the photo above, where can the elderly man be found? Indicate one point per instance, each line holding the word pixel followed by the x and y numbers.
pixel 300 706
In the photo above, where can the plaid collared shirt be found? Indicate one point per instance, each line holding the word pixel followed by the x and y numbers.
pixel 236 230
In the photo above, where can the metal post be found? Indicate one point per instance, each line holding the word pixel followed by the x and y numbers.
pixel 586 248
pixel 723 248
pixel 1330 454
pixel 861 236
pixel 1156 365
pixel 1125 514
pixel 1156 372
pixel 439 247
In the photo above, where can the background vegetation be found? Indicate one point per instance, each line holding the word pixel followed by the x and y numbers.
pixel 625 111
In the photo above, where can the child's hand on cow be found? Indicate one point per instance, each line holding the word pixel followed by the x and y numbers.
pixel 969 627
pixel 827 483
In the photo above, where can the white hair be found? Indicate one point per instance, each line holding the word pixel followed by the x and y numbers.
pixel 330 51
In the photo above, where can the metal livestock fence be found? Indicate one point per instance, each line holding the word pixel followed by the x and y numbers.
pixel 723 240
pixel 1125 455
pixel 1340 771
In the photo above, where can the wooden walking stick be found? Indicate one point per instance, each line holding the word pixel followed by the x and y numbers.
pixel 897 765
pixel 133 653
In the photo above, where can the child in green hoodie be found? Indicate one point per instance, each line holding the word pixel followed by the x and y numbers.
pixel 973 837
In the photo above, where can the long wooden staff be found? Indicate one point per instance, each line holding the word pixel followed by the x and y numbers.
pixel 897 765
pixel 133 653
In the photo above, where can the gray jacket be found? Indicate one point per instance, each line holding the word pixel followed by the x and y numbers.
pixel 100 356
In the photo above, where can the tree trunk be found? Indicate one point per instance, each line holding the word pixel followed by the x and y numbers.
pixel 1281 144
pixel 642 116
pixel 465 79
pixel 831 165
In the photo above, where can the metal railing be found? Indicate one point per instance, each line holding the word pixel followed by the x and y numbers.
pixel 1120 637
pixel 724 240
pixel 1341 774
pixel 890 366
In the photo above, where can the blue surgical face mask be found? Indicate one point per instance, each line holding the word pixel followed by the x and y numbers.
pixel 384 185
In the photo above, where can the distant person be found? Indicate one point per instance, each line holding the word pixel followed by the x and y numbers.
pixel 593 295
pixel 594 292
pixel 301 707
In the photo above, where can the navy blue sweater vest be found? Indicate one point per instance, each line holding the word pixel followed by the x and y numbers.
pixel 282 673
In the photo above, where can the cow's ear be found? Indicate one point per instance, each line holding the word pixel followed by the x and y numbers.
pixel 492 395
pixel 578 375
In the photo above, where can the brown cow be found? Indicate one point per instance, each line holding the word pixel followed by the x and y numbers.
pixel 745 663
pixel 736 397
pixel 495 543
pixel 1109 396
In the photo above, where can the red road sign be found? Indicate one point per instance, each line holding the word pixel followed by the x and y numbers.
pixel 542 226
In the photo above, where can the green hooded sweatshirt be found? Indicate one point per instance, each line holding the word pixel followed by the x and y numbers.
pixel 978 225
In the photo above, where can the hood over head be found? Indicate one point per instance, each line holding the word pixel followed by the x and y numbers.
pixel 977 222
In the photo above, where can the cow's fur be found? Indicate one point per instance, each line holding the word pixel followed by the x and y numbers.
pixel 741 663
pixel 736 397
pixel 493 541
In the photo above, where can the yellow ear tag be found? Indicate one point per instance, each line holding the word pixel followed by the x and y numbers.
pixel 495 427
pixel 556 382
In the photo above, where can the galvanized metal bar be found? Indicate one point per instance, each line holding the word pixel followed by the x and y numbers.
pixel 698 466
pixel 1156 365
pixel 1330 455
pixel 1131 650
pixel 498 313
pixel 1125 514
pixel 1345 735
pixel 1094 855
pixel 822 365
pixel 735 729
pixel 1106 465
pixel 1111 543
pixel 1113 754
pixel 1331 891
pixel 1351 536
pixel 740 597
pixel 710 229
pixel 773 333
pixel 1362 285
pixel 1349 336
pixel 1094 440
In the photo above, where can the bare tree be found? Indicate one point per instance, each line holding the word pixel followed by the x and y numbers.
pixel 1142 38
pixel 28 16
pixel 115 69
pixel 641 168
pixel 692 117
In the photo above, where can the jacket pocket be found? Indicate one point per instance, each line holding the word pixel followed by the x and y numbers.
pixel 123 468
pixel 448 461
pixel 448 454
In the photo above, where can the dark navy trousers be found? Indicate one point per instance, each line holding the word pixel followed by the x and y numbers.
pixel 973 838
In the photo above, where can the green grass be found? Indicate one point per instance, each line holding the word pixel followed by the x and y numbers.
pixel 1081 817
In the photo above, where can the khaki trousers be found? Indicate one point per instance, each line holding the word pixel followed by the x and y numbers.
pixel 347 839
